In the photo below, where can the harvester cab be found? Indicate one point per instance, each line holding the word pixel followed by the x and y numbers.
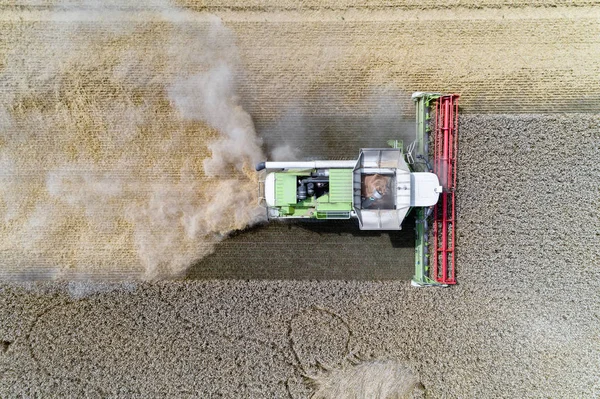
pixel 382 187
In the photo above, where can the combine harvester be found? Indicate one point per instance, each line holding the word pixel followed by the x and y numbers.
pixel 382 187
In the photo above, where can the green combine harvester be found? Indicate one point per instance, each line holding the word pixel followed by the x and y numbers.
pixel 382 187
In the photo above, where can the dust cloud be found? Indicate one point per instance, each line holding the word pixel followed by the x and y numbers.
pixel 124 150
pixel 312 126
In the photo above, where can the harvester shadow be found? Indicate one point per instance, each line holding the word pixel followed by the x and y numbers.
pixel 404 238
pixel 331 250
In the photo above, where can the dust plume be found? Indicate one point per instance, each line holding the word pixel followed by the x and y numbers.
pixel 210 97
pixel 311 126
pixel 124 149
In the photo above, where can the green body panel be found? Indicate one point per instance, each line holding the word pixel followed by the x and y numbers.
pixel 287 210
pixel 333 215
pixel 421 127
pixel 300 212
pixel 325 203
pixel 285 189
pixel 300 209
pixel 307 203
pixel 340 185
pixel 335 205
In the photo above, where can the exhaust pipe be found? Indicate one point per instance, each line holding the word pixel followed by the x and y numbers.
pixel 305 165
